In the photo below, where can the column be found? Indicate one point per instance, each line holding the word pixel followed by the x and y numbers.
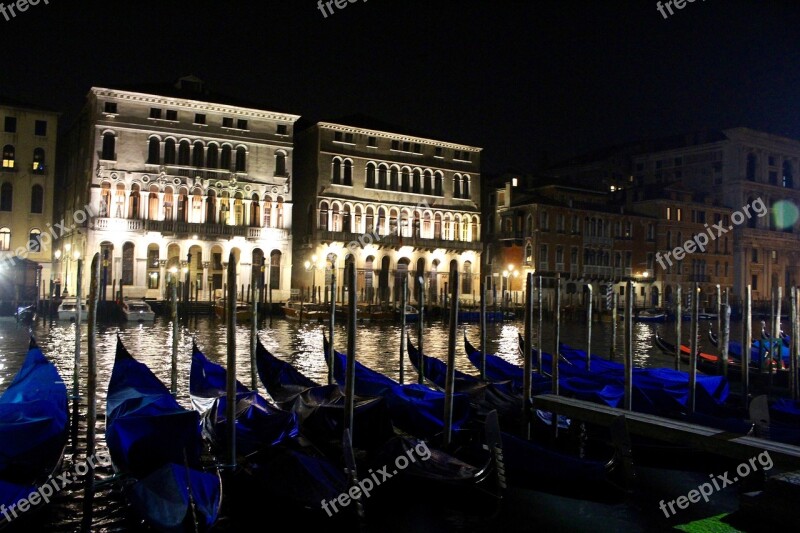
pixel 162 266
pixel 207 278
pixel 160 214
pixel 143 198
pixel 203 214
pixel 246 206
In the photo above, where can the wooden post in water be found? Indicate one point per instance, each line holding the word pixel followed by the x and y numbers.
pixel 725 341
pixel 539 345
pixel 350 374
pixel 747 342
pixel 254 339
pixel 776 343
pixel 719 310
pixel 175 331
pixel 485 281
pixel 795 352
pixel 628 345
pixel 77 366
pixel 693 348
pixel 91 388
pixel 527 404
pixel 589 328
pixel 557 338
pixel 420 322
pixel 450 380
pixel 230 320
pixel 331 333
pixel 678 326
pixel 403 303
pixel 614 318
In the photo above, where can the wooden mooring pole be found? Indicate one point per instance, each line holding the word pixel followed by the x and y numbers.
pixel 91 391
pixel 678 325
pixel 331 332
pixel 230 320
pixel 451 357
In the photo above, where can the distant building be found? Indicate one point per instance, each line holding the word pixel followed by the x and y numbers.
pixel 27 188
pixel 176 178
pixel 401 206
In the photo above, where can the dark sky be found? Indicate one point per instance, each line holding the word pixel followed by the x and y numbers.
pixel 517 78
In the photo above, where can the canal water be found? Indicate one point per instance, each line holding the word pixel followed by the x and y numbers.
pixel 378 347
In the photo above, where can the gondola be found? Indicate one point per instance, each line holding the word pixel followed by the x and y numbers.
pixel 156 445
pixel 271 459
pixel 528 463
pixel 33 430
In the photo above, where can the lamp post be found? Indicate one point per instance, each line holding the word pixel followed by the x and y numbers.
pixel 105 273
pixel 76 255
pixel 67 248
pixel 56 280
pixel 312 266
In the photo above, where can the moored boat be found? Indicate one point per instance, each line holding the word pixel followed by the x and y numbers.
pixel 137 311
pixel 69 307
pixel 243 310
pixel 33 430
pixel 156 445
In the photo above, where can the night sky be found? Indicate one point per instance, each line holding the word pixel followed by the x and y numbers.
pixel 518 78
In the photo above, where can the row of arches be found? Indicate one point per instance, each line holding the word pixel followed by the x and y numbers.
pixel 183 205
pixel 404 222
pixel 784 179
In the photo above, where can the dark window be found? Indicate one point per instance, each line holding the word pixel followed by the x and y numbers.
pixel 153 151
pixel 280 164
pixel 172 114
pixel 183 153
pixel 35 240
pixel 348 138
pixel 110 107
pixel 227 122
pixel 282 129
pixel 417 148
pixel 370 175
pixel 225 160
pixel 754 255
pixel 465 191
pixel 155 112
pixel 37 199
pixel 754 282
pixel 275 270
pixel 199 118
pixel 40 128
pixel 751 167
pixel 771 160
pixel 127 264
pixel 11 125
pixel 212 156
pixel 336 179
pixel 241 124
pixel 438 152
pixel 406 146
pixel 6 197
pixel 773 177
pixel 348 172
pixel 788 180
pixel 169 152
pixel 241 159
pixel 438 189
pixel 198 154
pixel 395 145
pixel 337 136
pixel 372 141
pixel 109 147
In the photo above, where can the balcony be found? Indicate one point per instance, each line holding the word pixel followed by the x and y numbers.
pixel 395 240
pixel 594 240
pixel 175 227
pixel 509 235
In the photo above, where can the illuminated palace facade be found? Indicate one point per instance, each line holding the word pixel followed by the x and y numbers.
pixel 175 180
pixel 399 206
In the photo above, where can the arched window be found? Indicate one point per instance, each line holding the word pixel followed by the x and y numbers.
pixel 225 160
pixel 35 241
pixel 37 199
pixel 381 222
pixel 255 211
pixel 427 179
pixel 169 152
pixel 382 170
pixel 347 219
pixel 437 226
pixel 275 270
pixel 38 160
pixel 336 174
pixel 394 222
pixel 528 253
pixel 323 216
pixel 335 220
pixel 153 151
pixel 358 225
pixel 183 153
pixel 370 175
pixel 280 164
pixel 279 213
pixel 5 239
pixel 127 263
pixel 6 197
pixel 109 147
pixel 198 154
pixel 416 181
pixel 152 203
pixel 751 167
pixel 466 284
pixel 241 160
pixel 9 156
pixel 348 173
pixel 211 207
pixel 370 220
pixel 394 179
pixel 457 186
pixel 426 226
pixel 105 199
pixel 465 188
pixel 438 187
pixel 212 156
pixel 133 202
pixel 405 183
pixel 788 179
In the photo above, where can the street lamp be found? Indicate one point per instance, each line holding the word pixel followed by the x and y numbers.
pixel 56 266
pixel 67 248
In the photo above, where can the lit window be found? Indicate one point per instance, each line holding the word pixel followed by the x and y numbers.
pixel 8 156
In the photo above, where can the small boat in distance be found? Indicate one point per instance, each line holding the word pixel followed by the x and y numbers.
pixel 307 311
pixel 137 311
pixel 649 315
pixel 68 308
pixel 243 310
